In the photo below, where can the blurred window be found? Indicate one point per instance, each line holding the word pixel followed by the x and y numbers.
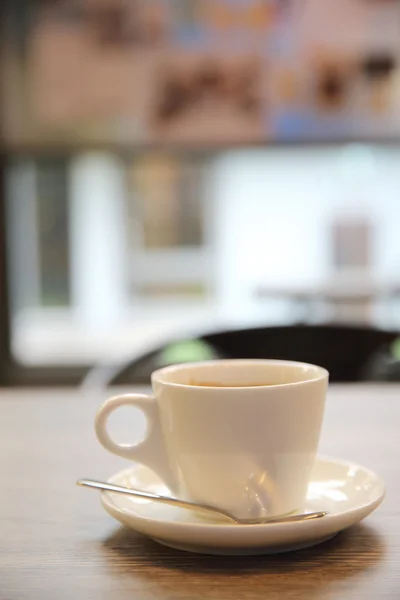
pixel 110 255
pixel 105 253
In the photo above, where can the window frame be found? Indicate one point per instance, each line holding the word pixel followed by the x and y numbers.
pixel 13 373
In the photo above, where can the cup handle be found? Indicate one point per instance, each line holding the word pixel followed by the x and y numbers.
pixel 151 451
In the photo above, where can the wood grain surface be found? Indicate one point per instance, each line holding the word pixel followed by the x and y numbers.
pixel 57 543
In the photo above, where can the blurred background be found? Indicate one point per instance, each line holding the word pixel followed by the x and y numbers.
pixel 177 167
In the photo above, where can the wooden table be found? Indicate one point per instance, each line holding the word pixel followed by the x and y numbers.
pixel 57 543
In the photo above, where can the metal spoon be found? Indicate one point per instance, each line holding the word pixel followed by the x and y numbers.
pixel 193 506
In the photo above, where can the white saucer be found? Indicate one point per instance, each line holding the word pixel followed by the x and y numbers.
pixel 347 491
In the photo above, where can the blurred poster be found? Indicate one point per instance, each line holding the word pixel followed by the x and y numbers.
pixel 204 71
pixel 166 202
pixel 352 244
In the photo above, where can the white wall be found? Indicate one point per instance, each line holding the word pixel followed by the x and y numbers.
pixel 275 208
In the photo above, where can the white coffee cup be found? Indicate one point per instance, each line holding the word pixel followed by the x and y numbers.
pixel 241 435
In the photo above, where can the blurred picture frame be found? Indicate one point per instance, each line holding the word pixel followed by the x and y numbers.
pixel 158 72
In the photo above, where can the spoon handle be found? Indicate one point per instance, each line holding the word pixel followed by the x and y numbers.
pixel 109 487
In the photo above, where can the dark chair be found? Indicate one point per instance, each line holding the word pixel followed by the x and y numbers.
pixel 347 352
